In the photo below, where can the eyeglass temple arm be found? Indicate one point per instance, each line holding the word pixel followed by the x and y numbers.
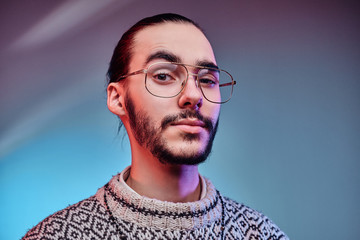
pixel 227 84
pixel 131 74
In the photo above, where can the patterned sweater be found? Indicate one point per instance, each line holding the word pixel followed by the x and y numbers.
pixel 118 212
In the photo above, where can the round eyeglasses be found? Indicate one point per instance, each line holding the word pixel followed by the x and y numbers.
pixel 168 79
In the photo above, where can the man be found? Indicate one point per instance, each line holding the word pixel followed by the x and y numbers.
pixel 166 88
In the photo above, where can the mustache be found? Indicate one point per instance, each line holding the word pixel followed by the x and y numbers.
pixel 187 114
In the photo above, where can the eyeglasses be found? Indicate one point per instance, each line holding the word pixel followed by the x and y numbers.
pixel 168 79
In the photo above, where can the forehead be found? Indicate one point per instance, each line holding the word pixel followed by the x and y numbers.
pixel 183 40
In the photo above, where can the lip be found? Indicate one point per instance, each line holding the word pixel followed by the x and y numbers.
pixel 189 125
pixel 189 122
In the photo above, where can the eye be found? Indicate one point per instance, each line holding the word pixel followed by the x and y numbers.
pixel 208 80
pixel 163 78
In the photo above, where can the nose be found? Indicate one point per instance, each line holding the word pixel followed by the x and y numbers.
pixel 191 96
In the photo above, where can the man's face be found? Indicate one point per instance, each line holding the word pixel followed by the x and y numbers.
pixel 177 130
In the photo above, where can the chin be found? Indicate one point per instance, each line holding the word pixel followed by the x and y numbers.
pixel 186 154
pixel 183 160
pixel 188 137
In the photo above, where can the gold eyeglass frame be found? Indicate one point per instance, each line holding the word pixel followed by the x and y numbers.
pixel 145 70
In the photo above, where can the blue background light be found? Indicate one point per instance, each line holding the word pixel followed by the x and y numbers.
pixel 288 142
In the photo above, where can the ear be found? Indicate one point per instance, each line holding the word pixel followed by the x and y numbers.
pixel 115 98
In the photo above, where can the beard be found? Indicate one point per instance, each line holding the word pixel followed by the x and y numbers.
pixel 147 135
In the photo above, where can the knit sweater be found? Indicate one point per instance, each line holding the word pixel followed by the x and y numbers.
pixel 118 212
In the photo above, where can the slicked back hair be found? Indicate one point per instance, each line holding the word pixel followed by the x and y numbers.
pixel 119 64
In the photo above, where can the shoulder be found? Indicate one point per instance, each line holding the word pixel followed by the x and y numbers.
pixel 87 217
pixel 251 223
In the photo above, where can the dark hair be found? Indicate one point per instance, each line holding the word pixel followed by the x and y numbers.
pixel 119 64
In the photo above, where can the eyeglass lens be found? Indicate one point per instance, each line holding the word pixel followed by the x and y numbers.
pixel 167 80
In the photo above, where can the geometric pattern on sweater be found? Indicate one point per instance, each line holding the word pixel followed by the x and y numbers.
pixel 138 217
pixel 125 204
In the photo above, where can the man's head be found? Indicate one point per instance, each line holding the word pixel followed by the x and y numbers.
pixel 177 129
pixel 123 52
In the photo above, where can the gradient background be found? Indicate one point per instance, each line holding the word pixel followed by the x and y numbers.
pixel 288 142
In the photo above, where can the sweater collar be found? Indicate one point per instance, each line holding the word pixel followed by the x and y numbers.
pixel 127 205
pixel 126 172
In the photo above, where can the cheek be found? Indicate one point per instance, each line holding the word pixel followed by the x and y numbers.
pixel 214 112
pixel 156 108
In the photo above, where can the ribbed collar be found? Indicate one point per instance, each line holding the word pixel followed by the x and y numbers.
pixel 125 204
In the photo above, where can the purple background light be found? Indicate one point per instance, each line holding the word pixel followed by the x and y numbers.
pixel 288 142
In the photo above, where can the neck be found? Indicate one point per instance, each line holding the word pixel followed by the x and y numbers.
pixel 174 183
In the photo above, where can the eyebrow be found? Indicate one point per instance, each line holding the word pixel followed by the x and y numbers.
pixel 164 55
pixel 207 64
pixel 170 57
